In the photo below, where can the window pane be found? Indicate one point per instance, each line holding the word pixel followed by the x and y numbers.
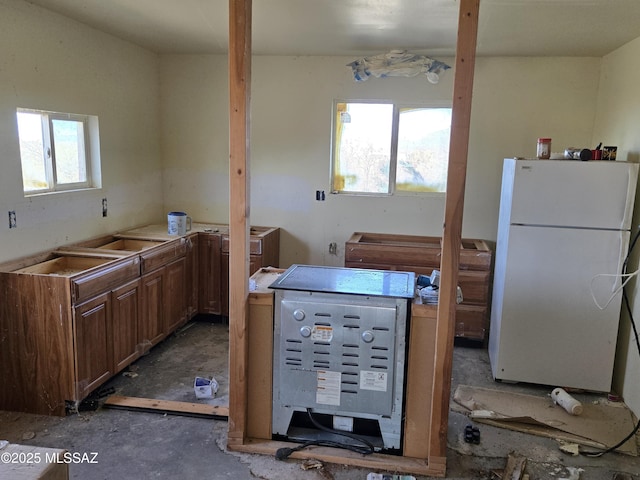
pixel 423 149
pixel 363 147
pixel 34 174
pixel 68 138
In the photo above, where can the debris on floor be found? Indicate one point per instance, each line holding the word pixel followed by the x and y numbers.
pixel 472 434
pixel 514 470
pixel 311 464
pixel 570 448
pixel 600 425
pixel 386 476
pixel 574 474
pixel 205 387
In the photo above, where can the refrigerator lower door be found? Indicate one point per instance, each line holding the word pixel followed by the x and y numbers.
pixel 545 325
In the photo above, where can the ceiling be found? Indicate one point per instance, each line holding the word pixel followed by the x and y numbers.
pixel 364 27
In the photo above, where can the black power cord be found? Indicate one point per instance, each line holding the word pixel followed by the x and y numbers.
pixel 367 449
pixel 637 338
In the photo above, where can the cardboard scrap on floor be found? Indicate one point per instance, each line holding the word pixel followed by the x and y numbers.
pixel 600 425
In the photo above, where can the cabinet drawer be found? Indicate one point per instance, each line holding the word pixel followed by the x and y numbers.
pixel 160 256
pixel 255 245
pixel 98 280
pixel 471 322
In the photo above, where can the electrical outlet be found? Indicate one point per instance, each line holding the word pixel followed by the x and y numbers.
pixel 12 219
pixel 104 207
pixel 333 248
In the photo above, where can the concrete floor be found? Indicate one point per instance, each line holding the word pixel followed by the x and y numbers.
pixel 139 445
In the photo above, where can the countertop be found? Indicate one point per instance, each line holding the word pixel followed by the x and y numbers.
pixel 159 231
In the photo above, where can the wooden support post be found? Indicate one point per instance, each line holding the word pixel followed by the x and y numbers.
pixel 239 97
pixel 452 235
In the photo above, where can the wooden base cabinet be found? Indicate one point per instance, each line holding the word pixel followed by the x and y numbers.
pixel 70 319
pixel 69 322
pixel 106 336
pixel 421 255
pixel 56 342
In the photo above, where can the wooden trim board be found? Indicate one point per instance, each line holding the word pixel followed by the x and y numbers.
pixel 374 461
pixel 217 412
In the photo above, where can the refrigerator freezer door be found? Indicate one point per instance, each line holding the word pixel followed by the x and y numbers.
pixel 571 193
pixel 545 325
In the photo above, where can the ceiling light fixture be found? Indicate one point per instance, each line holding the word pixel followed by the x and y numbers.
pixel 397 63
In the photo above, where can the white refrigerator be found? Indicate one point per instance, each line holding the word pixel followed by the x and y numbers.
pixel 563 235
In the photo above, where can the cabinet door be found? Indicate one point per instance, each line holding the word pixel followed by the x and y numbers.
pixel 211 274
pixel 174 295
pixel 224 285
pixel 125 312
pixel 192 275
pixel 93 337
pixel 150 325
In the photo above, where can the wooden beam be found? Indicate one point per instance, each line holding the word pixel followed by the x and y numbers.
pixel 218 412
pixel 239 102
pixel 452 234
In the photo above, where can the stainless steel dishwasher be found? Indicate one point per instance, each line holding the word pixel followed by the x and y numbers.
pixel 339 353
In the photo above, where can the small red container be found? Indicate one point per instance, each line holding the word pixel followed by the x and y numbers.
pixel 544 148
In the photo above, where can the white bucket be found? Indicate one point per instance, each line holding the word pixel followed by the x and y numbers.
pixel 179 223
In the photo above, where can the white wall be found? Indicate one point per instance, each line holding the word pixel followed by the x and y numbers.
pixel 50 62
pixel 515 101
pixel 617 120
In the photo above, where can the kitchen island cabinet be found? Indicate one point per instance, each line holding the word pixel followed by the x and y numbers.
pixel 421 255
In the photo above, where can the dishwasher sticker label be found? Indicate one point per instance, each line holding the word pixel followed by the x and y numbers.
pixel 322 333
pixel 328 388
pixel 370 380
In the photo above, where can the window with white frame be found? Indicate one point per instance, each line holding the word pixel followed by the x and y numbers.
pixel 58 151
pixel 385 148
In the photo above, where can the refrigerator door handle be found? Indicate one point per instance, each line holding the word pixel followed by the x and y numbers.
pixel 631 195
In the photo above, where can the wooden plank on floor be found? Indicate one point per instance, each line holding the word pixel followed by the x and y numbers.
pixel 218 412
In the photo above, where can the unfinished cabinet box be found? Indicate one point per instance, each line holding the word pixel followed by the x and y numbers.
pixel 264 249
pixel 421 254
pixel 55 328
pixel 72 318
